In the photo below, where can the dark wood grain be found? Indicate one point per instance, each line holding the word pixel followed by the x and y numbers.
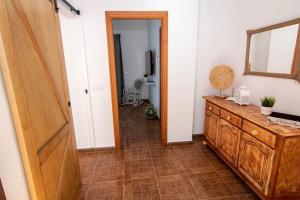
pixel 228 140
pixel 2 194
pixel 211 127
pixel 255 162
pixel 252 114
pixel 264 155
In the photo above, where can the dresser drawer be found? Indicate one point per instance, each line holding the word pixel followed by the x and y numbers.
pixel 213 108
pixel 260 133
pixel 232 118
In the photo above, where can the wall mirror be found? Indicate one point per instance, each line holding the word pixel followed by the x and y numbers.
pixel 274 51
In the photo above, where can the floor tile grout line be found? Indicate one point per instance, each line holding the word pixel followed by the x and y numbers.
pixel 194 189
pixel 125 146
pixel 89 185
pixel 238 195
pixel 123 188
pixel 151 157
pixel 140 155
pixel 185 174
pixel 227 184
pixel 156 180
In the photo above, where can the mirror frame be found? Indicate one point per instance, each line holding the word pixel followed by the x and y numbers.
pixel 295 68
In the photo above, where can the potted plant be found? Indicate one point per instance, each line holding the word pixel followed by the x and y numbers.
pixel 267 104
pixel 150 112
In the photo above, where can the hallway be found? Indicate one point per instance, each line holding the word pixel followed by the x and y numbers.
pixel 145 169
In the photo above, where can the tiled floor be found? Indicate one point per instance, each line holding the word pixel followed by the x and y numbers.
pixel 146 170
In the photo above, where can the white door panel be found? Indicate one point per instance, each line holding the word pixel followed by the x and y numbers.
pixel 78 80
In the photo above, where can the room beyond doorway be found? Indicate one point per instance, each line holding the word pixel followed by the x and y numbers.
pixel 113 18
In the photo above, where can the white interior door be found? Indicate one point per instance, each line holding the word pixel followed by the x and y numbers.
pixel 78 79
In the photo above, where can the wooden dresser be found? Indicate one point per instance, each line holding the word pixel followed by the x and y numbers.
pixel 265 155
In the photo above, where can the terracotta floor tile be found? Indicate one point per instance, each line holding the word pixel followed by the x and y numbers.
pixel 153 131
pixel 154 142
pixel 87 157
pixel 196 165
pixel 146 170
pixel 136 144
pixel 107 190
pixel 110 156
pixel 208 185
pixel 138 132
pixel 239 188
pixel 139 169
pixel 136 141
pixel 133 123
pixel 230 198
pixel 228 176
pixel 216 162
pixel 168 166
pixel 137 154
pixel 240 197
pixel 204 148
pixel 86 172
pixel 82 193
pixel 123 124
pixel 109 171
pixel 206 178
pixel 141 189
pixel 141 137
pixel 161 151
pixel 188 152
pixel 87 164
pixel 176 187
pixel 249 197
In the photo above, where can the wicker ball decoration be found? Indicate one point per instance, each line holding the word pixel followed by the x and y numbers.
pixel 221 77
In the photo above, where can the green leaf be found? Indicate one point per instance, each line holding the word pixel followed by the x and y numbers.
pixel 268 101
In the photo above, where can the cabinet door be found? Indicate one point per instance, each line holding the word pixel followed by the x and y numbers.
pixel 211 127
pixel 255 161
pixel 228 142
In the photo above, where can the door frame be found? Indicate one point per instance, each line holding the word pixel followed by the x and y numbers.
pixel 139 15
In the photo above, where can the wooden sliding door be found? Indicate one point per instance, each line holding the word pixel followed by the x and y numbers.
pixel 32 62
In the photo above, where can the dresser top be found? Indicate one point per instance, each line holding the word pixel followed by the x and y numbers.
pixel 252 114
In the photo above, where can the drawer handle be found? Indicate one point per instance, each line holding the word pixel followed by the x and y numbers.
pixel 228 118
pixel 254 132
pixel 210 108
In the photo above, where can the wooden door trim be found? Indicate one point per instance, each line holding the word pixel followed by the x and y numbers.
pixel 139 15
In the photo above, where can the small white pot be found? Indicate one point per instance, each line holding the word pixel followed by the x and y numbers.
pixel 266 110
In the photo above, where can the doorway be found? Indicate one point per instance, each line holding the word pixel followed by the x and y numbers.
pixel 114 70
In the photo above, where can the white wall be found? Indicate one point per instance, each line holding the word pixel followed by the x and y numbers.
pixel 11 168
pixel 182 44
pixel 154 46
pixel 222 39
pixel 134 44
